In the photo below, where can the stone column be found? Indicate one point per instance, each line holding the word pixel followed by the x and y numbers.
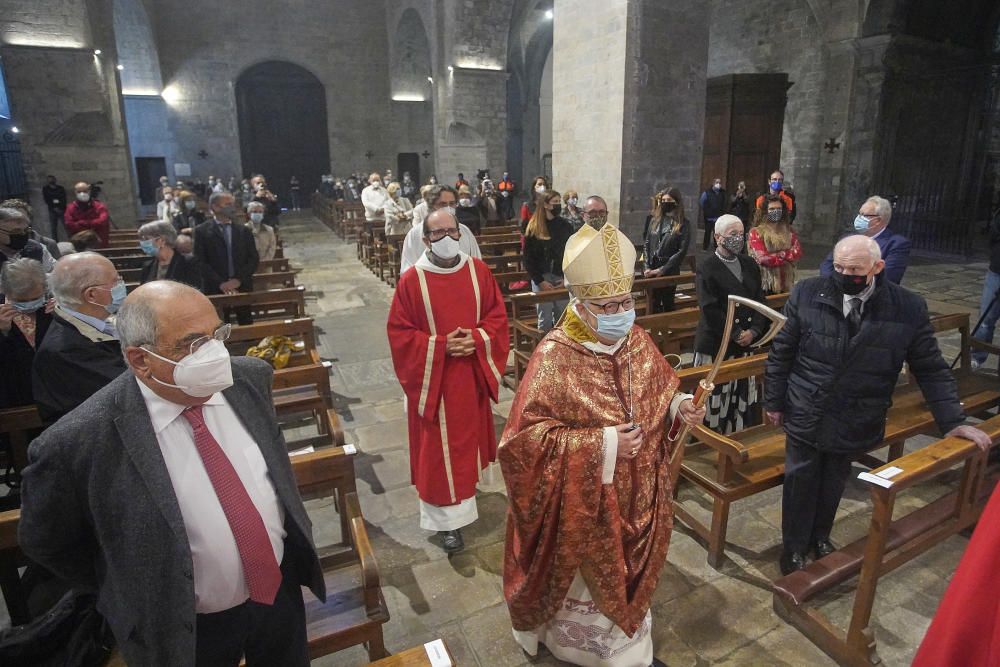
pixel 629 102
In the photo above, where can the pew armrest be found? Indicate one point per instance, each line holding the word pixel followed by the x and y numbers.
pixel 986 347
pixel 731 449
pixel 370 580
pixel 927 462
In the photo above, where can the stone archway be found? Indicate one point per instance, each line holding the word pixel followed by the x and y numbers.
pixel 528 48
pixel 281 112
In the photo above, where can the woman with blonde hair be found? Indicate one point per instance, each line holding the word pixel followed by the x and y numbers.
pixel 398 211
pixel 667 237
pixel 544 242
pixel 571 213
pixel 774 246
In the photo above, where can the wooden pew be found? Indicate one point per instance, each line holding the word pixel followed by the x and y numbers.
pixel 889 543
pixel 276 303
pixel 416 656
pixel 731 467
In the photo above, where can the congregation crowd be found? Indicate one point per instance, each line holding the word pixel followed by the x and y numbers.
pixel 590 450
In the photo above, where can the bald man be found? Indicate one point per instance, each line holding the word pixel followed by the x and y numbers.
pixel 830 377
pixel 80 353
pixel 170 492
pixel 85 213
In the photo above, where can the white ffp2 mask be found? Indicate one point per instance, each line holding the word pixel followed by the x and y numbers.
pixel 204 373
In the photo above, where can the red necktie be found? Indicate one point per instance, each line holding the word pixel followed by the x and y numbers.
pixel 260 568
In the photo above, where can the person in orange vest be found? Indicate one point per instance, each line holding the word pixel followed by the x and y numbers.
pixel 506 204
pixel 776 186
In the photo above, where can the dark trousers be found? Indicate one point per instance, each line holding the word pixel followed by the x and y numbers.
pixel 663 300
pixel 814 484
pixel 55 219
pixel 264 635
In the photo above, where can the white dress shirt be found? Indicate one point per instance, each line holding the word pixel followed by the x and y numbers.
pixel 219 583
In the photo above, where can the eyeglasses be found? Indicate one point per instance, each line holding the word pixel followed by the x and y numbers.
pixel 221 334
pixel 612 307
pixel 438 234
pixel 118 282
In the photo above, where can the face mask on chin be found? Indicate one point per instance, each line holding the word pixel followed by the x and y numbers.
pixel 202 374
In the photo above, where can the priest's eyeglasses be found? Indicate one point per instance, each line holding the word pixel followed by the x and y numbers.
pixel 612 307
pixel 221 334
pixel 438 234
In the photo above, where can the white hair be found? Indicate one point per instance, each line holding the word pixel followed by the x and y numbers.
pixel 75 273
pixel 20 276
pixel 159 229
pixel 725 221
pixel 870 244
pixel 135 324
pixel 882 207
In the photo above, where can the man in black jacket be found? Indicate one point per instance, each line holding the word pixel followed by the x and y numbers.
pixel 830 377
pixel 80 353
pixel 227 252
pixel 55 199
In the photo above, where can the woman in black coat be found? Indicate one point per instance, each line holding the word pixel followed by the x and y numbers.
pixel 667 236
pixel 189 216
pixel 728 271
pixel 544 244
pixel 158 240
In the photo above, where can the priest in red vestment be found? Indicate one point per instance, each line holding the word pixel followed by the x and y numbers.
pixel 584 457
pixel 448 334
pixel 966 628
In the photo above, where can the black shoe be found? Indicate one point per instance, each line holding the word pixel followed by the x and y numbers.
pixel 452 540
pixel 658 663
pixel 823 548
pixel 791 562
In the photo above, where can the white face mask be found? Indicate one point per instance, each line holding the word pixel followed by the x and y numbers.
pixel 446 248
pixel 167 197
pixel 540 188
pixel 204 373
pixel 83 196
pixel 465 202
pixel 450 210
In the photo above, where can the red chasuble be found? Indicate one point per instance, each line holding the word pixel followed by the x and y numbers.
pixel 448 398
pixel 966 628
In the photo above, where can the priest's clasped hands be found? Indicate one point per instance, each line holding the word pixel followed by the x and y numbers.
pixel 460 343
pixel 630 435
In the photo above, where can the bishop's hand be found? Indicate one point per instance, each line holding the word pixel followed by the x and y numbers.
pixel 629 440
pixel 689 414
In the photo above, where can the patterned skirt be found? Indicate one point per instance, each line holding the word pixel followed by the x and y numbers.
pixel 730 408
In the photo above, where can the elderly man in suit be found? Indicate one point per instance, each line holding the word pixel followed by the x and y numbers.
pixel 873 221
pixel 178 504
pixel 226 251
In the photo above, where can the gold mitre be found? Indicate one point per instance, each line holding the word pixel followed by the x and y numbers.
pixel 599 264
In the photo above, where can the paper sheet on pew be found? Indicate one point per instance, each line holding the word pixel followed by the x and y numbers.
pixel 437 654
pixel 305 450
pixel 882 478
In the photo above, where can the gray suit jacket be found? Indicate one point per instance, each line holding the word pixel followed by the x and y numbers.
pixel 99 510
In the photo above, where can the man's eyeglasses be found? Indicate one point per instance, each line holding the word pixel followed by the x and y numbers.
pixel 612 307
pixel 221 334
pixel 438 234
pixel 118 282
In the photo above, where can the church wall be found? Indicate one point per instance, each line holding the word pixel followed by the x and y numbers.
pixel 344 44
pixel 65 99
pixel 779 36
